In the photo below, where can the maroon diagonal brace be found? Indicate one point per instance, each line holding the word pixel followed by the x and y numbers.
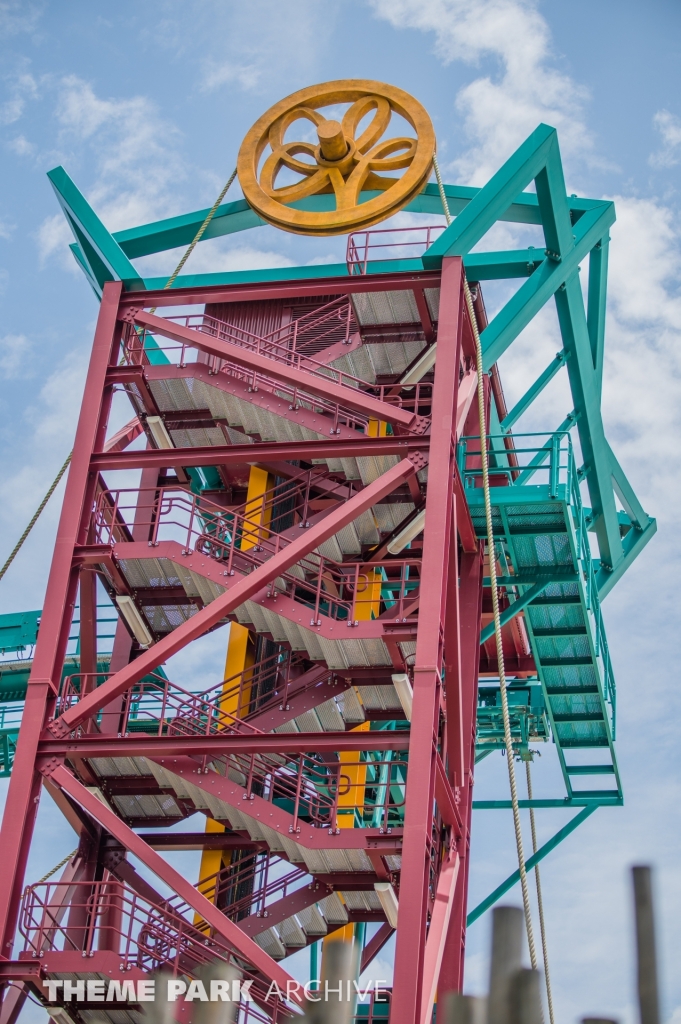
pixel 235 596
pixel 237 939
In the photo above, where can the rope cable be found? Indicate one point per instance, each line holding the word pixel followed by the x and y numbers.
pixel 169 283
pixel 19 544
pixel 508 741
pixel 540 902
pixel 56 867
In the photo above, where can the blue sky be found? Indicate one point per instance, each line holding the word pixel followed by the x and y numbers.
pixel 146 105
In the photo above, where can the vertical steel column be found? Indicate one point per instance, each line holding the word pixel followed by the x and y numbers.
pixel 418 823
pixel 122 645
pixel 470 605
pixel 24 790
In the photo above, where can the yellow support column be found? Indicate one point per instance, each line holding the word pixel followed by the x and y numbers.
pixel 240 657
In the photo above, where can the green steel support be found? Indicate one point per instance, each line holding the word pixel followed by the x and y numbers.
pixel 494 198
pixel 528 398
pixel 542 285
pixel 530 863
pixel 625 492
pixel 238 216
pixel 598 290
pixel 515 609
pixel 572 320
pixel 99 250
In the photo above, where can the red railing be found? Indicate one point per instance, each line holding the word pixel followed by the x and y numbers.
pixel 107 915
pixel 140 345
pixel 351 591
pixel 259 878
pixel 365 247
pixel 160 707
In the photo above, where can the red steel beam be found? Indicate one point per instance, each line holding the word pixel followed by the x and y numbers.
pixel 470 604
pixel 375 945
pixel 260 809
pixel 283 289
pixel 254 454
pixel 231 932
pixel 235 596
pixel 410 950
pixel 297 377
pixel 24 790
pixel 222 744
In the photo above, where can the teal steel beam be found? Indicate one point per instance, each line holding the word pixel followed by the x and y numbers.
pixel 173 232
pixel 550 185
pixel 588 798
pixel 542 285
pixel 632 545
pixel 585 394
pixel 530 863
pixel 77 253
pixel 480 266
pixel 501 266
pixel 494 198
pixel 515 609
pixel 625 492
pixel 596 303
pixel 99 249
pixel 532 392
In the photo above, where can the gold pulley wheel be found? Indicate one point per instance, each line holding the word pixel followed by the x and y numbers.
pixel 338 161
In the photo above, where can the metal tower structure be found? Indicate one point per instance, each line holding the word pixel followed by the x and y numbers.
pixel 312 476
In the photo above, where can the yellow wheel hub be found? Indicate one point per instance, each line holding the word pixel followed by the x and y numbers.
pixel 338 161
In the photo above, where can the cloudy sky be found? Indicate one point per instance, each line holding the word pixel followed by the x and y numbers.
pixel 146 104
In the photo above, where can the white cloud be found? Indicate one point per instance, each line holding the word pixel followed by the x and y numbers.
pixel 14 349
pixel 18 16
pixel 213 256
pixel 54 236
pixel 216 74
pixel 642 378
pixel 23 87
pixel 137 167
pixel 21 146
pixel 669 127
pixel 253 45
pixel 499 111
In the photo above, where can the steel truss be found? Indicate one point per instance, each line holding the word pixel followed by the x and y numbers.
pixel 298 374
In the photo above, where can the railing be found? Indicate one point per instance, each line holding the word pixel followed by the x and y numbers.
pixel 107 915
pixel 248 887
pixel 139 344
pixel 365 247
pixel 554 463
pixel 321 789
pixel 238 542
pixel 160 707
pixel 527 716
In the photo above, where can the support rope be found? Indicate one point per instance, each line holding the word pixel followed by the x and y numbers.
pixel 56 867
pixel 540 902
pixel 169 283
pixel 36 516
pixel 508 741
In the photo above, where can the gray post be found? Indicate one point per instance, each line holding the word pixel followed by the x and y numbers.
pixel 508 924
pixel 524 1000
pixel 455 1008
pixel 216 1011
pixel 648 994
